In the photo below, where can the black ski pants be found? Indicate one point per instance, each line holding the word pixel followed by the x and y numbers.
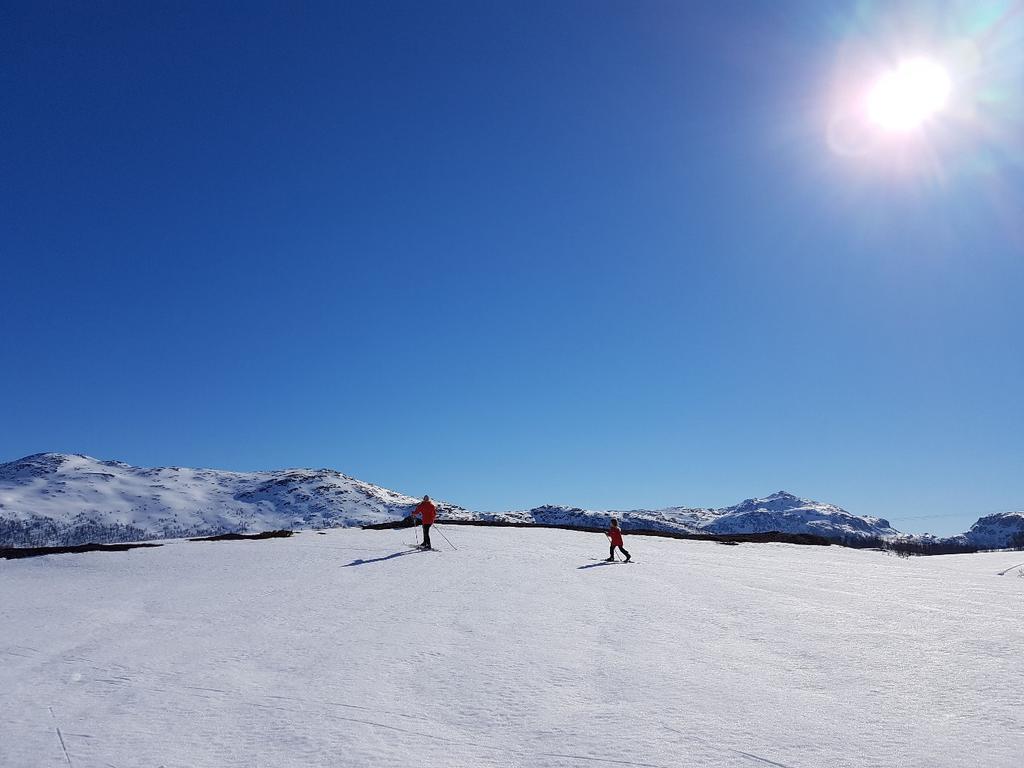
pixel 426 534
pixel 611 552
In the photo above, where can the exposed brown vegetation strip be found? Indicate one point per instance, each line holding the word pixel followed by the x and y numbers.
pixel 12 553
pixel 238 536
pixel 724 538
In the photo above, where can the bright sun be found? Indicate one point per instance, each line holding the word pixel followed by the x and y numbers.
pixel 906 97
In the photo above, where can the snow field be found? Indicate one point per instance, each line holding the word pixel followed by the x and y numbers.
pixel 519 649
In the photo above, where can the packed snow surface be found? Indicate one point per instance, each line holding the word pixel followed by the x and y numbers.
pixel 521 648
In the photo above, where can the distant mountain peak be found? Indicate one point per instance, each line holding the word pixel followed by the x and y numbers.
pixel 997 530
pixel 61 498
pixel 54 498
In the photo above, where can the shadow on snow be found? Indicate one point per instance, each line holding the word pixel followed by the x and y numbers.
pixel 393 555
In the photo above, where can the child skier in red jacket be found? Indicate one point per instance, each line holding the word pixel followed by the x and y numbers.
pixel 615 535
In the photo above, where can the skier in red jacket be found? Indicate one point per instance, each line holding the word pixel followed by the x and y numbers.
pixel 427 512
pixel 615 534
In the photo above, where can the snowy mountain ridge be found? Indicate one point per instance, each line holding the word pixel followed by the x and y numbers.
pixel 62 499
pixel 1002 529
pixel 53 498
pixel 781 511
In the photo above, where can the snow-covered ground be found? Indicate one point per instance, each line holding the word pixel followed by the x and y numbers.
pixel 521 648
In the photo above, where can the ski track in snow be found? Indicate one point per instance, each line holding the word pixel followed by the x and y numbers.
pixel 761 759
pixel 60 736
pixel 506 653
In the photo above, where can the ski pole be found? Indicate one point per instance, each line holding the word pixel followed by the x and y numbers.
pixel 445 537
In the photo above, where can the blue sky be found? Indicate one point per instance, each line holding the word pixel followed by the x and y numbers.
pixel 602 254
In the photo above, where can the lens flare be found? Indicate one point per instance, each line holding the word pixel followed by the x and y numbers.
pixel 927 98
pixel 905 98
pixel 928 92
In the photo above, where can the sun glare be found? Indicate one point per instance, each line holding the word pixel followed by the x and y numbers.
pixel 928 94
pixel 905 98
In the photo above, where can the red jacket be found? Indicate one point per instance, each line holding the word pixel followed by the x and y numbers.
pixel 427 511
pixel 616 536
